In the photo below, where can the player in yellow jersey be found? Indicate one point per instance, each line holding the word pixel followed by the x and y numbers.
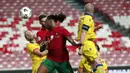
pixel 84 65
pixel 34 51
pixel 102 60
pixel 86 35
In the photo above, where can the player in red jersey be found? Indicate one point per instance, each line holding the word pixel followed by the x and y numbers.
pixel 42 32
pixel 58 56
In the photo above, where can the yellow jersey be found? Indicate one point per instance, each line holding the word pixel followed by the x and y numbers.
pixel 86 22
pixel 36 60
pixel 85 65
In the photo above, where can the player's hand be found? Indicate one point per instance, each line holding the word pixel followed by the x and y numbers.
pixel 78 44
pixel 100 26
pixel 44 45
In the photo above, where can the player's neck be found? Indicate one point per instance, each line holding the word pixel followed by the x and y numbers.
pixel 33 41
pixel 88 13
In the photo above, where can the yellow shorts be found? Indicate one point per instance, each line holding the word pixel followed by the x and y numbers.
pixel 36 64
pixel 85 65
pixel 89 50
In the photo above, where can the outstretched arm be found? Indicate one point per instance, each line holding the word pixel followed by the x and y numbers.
pixel 69 38
pixel 98 27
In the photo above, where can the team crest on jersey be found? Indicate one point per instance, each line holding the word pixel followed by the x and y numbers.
pixel 39 38
pixel 57 34
pixel 51 37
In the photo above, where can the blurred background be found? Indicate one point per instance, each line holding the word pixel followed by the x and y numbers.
pixel 113 38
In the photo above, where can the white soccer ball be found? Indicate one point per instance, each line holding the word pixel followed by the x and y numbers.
pixel 25 13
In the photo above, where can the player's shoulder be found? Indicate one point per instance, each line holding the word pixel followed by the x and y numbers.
pixel 87 16
pixel 28 45
pixel 31 44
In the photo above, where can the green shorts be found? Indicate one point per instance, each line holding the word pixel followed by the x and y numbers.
pixel 61 67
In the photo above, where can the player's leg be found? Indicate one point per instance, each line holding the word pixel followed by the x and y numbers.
pixel 106 71
pixel 46 67
pixel 92 56
pixel 81 65
pixel 80 70
pixel 42 69
pixel 64 67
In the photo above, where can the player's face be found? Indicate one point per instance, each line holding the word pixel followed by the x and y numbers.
pixel 29 35
pixel 48 24
pixel 42 22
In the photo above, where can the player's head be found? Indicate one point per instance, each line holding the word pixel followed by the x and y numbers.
pixel 60 17
pixel 50 22
pixel 89 8
pixel 98 48
pixel 42 18
pixel 29 35
pixel 52 19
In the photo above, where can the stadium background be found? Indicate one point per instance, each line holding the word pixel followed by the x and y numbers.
pixel 113 39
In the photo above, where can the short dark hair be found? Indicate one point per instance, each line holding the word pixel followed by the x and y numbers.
pixel 41 16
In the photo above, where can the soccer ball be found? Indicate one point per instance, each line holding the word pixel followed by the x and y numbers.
pixel 25 13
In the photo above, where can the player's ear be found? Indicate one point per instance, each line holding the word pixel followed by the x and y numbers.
pixel 53 23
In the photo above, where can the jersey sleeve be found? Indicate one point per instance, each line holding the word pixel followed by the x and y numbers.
pixel 65 32
pixel 31 47
pixel 86 22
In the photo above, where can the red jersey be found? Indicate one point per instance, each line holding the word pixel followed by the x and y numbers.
pixel 57 46
pixel 41 34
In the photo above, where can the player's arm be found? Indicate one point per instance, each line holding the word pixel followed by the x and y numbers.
pixel 67 35
pixel 35 50
pixel 80 70
pixel 43 45
pixel 40 54
pixel 83 34
pixel 85 28
pixel 98 27
pixel 70 39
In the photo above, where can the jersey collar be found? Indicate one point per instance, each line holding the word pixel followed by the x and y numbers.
pixel 85 13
